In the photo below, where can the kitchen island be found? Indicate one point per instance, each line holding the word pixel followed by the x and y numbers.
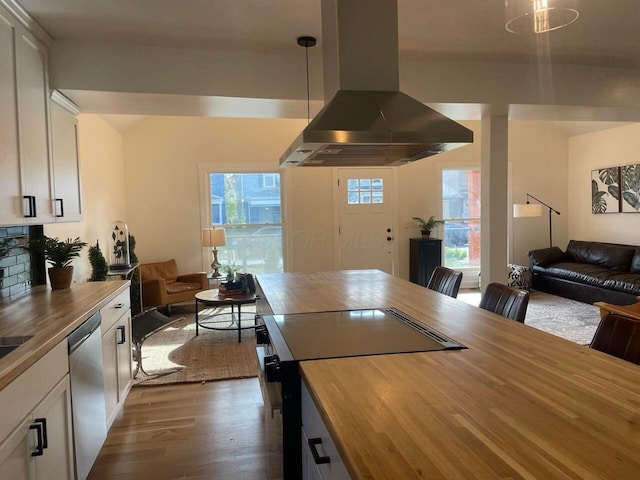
pixel 517 403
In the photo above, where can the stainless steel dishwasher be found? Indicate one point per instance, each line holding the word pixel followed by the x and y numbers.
pixel 87 394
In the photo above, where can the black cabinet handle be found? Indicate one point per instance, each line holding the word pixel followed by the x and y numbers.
pixel 39 448
pixel 314 451
pixel 118 305
pixel 29 206
pixel 45 438
pixel 122 335
pixel 61 207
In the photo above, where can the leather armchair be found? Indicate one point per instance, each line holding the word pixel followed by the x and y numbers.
pixel 162 285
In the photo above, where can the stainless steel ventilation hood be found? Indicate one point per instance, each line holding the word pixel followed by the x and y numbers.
pixel 368 121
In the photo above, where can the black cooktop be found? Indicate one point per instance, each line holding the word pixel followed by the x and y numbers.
pixel 350 333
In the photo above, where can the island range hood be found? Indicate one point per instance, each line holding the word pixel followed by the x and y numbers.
pixel 368 121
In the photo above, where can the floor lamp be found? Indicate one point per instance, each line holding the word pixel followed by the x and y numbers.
pixel 534 210
pixel 214 237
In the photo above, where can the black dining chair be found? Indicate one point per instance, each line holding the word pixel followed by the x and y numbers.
pixel 446 281
pixel 619 336
pixel 506 301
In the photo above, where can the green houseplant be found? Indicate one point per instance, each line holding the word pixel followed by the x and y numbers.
pixel 99 266
pixel 426 226
pixel 60 255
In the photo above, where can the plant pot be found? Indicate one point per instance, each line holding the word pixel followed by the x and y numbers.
pixel 426 233
pixel 60 278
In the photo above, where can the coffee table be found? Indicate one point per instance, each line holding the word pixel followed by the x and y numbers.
pixel 214 321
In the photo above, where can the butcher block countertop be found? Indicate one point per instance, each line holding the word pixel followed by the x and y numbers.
pixel 519 403
pixel 49 315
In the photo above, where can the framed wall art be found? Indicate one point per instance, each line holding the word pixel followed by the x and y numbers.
pixel 630 182
pixel 605 190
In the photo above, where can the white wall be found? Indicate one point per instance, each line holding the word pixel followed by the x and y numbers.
pixel 607 148
pixel 103 185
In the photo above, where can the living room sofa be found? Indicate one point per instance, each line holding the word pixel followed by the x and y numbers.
pixel 588 272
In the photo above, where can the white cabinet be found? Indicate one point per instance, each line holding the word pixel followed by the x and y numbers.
pixel 35 429
pixel 66 170
pixel 116 353
pixel 320 458
pixel 10 188
pixel 33 129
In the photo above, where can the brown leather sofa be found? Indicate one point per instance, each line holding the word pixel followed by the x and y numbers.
pixel 161 284
pixel 589 272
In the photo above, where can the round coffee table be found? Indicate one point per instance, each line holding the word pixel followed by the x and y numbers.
pixel 212 299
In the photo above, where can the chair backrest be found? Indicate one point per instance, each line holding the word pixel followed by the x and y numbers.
pixel 619 336
pixel 167 270
pixel 446 281
pixel 506 301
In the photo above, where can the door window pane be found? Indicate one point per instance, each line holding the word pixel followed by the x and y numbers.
pixel 364 191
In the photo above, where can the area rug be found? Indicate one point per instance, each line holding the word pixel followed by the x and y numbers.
pixel 575 321
pixel 211 356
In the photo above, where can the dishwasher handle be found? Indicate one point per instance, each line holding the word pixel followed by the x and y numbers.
pixel 84 331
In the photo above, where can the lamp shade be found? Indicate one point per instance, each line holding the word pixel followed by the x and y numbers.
pixel 539 16
pixel 213 237
pixel 527 210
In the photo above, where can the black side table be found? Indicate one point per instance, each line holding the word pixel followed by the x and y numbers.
pixel 425 254
pixel 212 299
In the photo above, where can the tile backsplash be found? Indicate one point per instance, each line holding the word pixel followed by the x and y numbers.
pixel 17 271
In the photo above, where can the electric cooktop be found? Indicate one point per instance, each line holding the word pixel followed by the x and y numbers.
pixel 310 336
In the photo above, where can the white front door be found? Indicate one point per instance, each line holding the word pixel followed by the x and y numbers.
pixel 366 226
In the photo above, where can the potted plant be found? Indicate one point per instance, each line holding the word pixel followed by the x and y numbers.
pixel 59 254
pixel 428 225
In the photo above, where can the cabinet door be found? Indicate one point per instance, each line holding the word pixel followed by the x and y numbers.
pixel 110 371
pixel 10 189
pixel 33 129
pixel 123 345
pixel 16 461
pixel 57 459
pixel 66 170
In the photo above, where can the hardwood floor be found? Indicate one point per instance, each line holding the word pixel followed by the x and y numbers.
pixel 215 430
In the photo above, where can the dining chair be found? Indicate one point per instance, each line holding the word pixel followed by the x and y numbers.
pixel 619 336
pixel 506 301
pixel 446 281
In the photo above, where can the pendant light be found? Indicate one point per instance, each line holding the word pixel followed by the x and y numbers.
pixel 539 16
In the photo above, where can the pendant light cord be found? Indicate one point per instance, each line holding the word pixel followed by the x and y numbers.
pixel 307 42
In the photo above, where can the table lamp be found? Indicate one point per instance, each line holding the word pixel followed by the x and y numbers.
pixel 214 237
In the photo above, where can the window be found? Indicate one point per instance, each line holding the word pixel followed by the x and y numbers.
pixel 461 210
pixel 364 190
pixel 247 205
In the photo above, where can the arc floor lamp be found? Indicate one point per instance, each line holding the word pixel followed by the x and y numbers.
pixel 534 210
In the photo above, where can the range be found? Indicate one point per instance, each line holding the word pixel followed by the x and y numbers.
pixel 292 338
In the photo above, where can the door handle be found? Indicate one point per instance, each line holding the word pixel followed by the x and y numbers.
pixel 314 451
pixel 39 448
pixel 122 335
pixel 45 441
pixel 61 207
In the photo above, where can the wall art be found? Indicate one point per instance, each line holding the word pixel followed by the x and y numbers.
pixel 630 182
pixel 605 190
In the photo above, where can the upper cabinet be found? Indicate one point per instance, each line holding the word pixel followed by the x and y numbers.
pixel 33 130
pixel 10 188
pixel 39 174
pixel 66 168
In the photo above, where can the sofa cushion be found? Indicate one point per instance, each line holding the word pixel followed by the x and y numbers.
pixel 635 262
pixel 178 287
pixel 617 257
pixel 167 270
pixel 578 272
pixel 624 282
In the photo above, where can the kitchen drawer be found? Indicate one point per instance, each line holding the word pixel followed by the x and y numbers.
pixel 314 431
pixel 113 310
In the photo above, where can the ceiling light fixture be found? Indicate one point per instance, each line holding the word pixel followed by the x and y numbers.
pixel 539 16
